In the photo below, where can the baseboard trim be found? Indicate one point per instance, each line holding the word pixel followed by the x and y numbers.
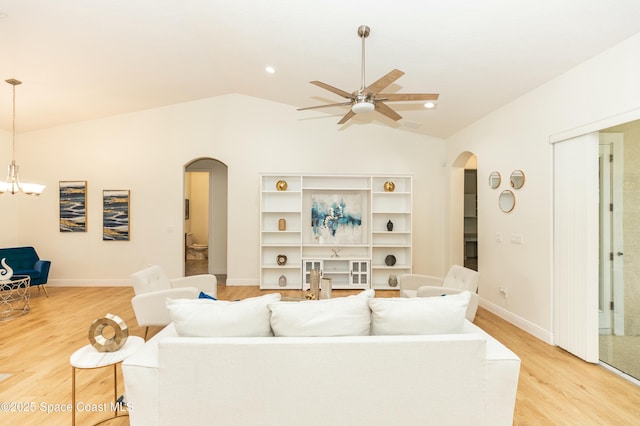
pixel 519 322
pixel 114 282
pixel 126 282
pixel 243 282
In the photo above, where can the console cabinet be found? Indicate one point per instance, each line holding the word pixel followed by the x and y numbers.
pixel 356 229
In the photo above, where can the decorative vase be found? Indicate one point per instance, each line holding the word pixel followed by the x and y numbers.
pixel 282 281
pixel 314 281
pixel 325 291
pixel 389 226
pixel 393 280
pixel 6 272
pixel 281 185
pixel 282 224
pixel 389 186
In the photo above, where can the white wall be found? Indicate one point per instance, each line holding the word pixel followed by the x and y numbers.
pixel 517 136
pixel 146 152
pixel 11 206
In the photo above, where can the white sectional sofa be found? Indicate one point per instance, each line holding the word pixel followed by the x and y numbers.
pixel 458 375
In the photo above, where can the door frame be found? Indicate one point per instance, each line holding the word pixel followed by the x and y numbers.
pixel 615 293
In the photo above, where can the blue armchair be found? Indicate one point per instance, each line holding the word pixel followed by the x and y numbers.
pixel 25 261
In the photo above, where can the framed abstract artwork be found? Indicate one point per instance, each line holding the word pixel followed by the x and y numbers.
pixel 115 214
pixel 73 206
pixel 336 217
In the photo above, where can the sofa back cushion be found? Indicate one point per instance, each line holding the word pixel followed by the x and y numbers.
pixel 150 279
pixel 221 318
pixel 20 258
pixel 342 316
pixel 461 278
pixel 423 315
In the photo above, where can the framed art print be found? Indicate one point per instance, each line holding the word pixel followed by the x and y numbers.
pixel 115 215
pixel 73 206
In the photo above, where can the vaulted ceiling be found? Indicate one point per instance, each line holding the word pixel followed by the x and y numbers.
pixel 81 60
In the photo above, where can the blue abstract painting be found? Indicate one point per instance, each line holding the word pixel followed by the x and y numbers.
pixel 336 218
pixel 115 215
pixel 73 206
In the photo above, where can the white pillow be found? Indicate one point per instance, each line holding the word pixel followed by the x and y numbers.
pixel 342 316
pixel 221 318
pixel 419 315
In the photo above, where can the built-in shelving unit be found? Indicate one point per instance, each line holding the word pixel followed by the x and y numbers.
pixel 353 244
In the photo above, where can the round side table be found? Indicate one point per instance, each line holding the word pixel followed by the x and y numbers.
pixel 14 297
pixel 88 357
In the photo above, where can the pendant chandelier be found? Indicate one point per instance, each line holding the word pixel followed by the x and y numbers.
pixel 12 184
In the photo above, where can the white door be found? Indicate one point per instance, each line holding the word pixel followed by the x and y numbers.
pixel 360 273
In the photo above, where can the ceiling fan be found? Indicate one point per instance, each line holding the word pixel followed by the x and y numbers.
pixel 368 98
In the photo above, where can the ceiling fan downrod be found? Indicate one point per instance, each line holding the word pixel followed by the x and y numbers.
pixel 363 33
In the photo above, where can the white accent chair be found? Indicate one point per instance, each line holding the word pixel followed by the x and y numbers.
pixel 152 288
pixel 457 280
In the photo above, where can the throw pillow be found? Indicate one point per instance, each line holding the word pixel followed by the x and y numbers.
pixel 204 295
pixel 342 316
pixel 419 315
pixel 222 318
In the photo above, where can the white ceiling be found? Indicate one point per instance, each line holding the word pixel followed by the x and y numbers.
pixel 87 59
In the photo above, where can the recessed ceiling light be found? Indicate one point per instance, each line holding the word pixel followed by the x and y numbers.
pixel 270 69
pixel 430 104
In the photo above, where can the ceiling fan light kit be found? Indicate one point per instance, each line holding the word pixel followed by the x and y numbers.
pixel 367 98
pixel 363 107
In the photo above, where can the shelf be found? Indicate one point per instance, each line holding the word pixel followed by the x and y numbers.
pixel 350 265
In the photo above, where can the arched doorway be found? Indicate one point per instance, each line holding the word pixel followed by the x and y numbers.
pixel 205 223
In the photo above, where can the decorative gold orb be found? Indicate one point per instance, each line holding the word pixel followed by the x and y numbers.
pixel 389 186
pixel 281 185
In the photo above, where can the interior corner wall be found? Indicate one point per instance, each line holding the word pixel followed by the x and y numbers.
pixel 517 136
pixel 145 152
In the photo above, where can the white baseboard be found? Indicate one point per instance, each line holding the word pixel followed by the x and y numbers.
pixel 113 282
pixel 531 328
pixel 246 282
pixel 126 282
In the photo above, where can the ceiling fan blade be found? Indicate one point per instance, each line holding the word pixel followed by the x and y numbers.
pixel 394 97
pixel 347 117
pixel 333 89
pixel 384 81
pixel 324 106
pixel 385 110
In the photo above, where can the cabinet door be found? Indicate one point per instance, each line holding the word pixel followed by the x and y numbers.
pixel 360 273
pixel 308 266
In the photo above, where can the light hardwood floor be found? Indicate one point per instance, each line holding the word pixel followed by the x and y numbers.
pixel 555 388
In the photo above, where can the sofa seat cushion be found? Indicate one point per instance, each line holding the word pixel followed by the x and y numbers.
pixel 220 318
pixel 342 316
pixel 429 315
